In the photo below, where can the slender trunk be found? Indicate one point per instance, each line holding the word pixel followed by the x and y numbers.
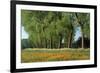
pixel 82 46
pixel 45 43
pixel 71 35
pixel 82 43
pixel 70 40
pixel 51 42
pixel 60 42
pixel 48 43
pixel 38 41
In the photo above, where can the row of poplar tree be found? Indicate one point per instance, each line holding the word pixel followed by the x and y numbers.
pixel 51 29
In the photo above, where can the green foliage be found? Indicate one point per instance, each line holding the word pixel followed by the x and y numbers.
pixel 47 29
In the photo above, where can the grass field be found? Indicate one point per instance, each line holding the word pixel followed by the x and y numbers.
pixel 42 55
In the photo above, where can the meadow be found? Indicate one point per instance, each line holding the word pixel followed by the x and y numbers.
pixel 44 55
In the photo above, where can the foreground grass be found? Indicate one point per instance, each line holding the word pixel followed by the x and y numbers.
pixel 42 55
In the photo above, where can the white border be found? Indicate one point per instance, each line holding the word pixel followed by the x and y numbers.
pixel 52 64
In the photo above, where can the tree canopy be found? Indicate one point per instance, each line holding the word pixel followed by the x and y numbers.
pixel 50 29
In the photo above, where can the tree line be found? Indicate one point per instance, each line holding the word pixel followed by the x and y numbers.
pixel 50 29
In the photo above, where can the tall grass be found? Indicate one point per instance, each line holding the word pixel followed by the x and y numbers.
pixel 43 55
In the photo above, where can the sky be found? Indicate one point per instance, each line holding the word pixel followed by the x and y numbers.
pixel 25 34
pixel 77 34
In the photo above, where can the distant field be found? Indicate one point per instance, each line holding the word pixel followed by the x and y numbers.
pixel 42 55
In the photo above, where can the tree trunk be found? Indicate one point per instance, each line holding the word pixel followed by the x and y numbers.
pixel 70 39
pixel 68 42
pixel 38 43
pixel 51 42
pixel 82 44
pixel 60 42
pixel 45 43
